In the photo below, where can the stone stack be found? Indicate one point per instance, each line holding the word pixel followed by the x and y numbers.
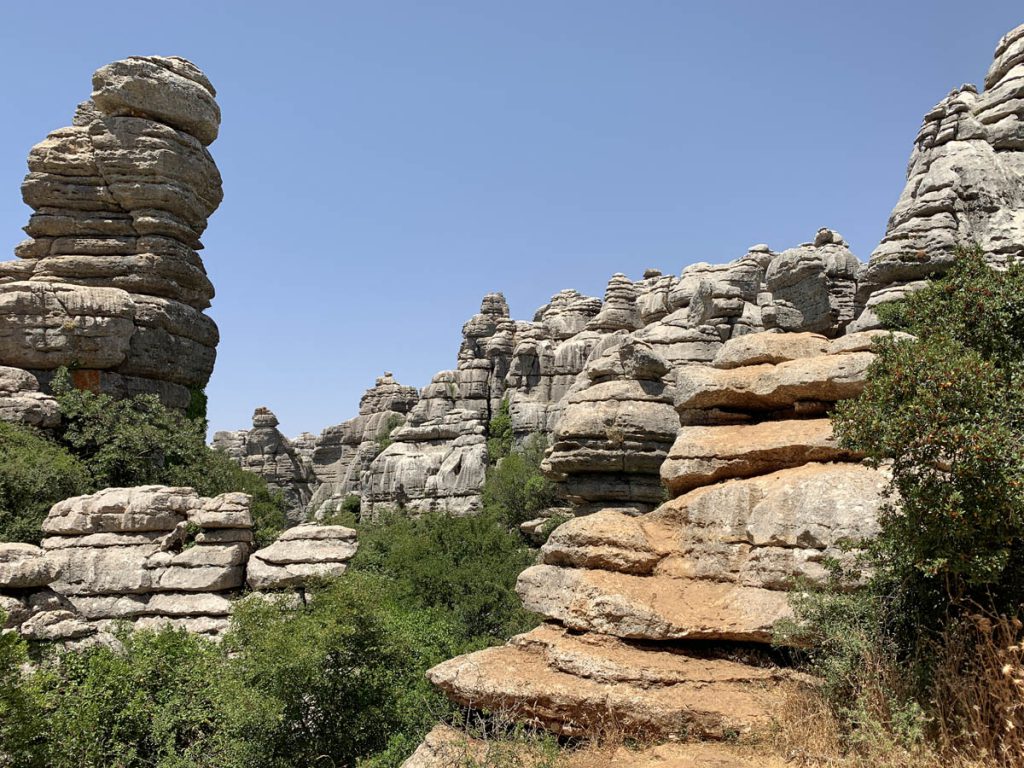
pixel 812 287
pixel 300 554
pixel 21 402
pixel 151 555
pixel 264 451
pixel 615 430
pixel 963 186
pixel 110 281
pixel 342 453
pixel 762 497
pixel 438 459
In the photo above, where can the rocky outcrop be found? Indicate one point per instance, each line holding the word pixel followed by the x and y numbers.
pixel 964 183
pixel 154 556
pixel 812 287
pixel 300 554
pixel 21 402
pixel 110 281
pixel 615 430
pixel 264 451
pixel 341 454
pixel 763 498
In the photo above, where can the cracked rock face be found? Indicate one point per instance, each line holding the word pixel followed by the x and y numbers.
pixel 264 451
pixel 110 280
pixel 964 184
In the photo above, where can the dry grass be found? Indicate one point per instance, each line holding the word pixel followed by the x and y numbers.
pixel 979 690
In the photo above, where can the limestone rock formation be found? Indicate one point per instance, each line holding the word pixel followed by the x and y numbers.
pixel 299 554
pixel 438 459
pixel 964 184
pixel 763 498
pixel 616 429
pixel 264 451
pixel 812 287
pixel 21 402
pixel 110 281
pixel 342 453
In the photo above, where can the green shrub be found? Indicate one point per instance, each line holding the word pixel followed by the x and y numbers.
pixel 20 709
pixel 945 413
pixel 139 441
pixel 161 699
pixel 466 566
pixel 391 423
pixel 516 489
pixel 342 677
pixel 35 473
pixel 499 434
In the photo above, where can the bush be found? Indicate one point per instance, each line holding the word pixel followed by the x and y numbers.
pixel 499 434
pixel 945 413
pixel 35 473
pixel 391 423
pixel 161 699
pixel 20 710
pixel 340 678
pixel 139 441
pixel 516 489
pixel 466 566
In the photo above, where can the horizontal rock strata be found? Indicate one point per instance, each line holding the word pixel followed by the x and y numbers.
pixel 110 281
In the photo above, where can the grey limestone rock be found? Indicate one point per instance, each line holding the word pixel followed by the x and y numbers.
pixel 110 280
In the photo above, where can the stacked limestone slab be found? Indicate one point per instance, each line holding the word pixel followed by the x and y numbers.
pixel 763 496
pixel 300 554
pixel 110 281
pixel 150 555
pixel 964 183
pixel 154 556
pixel 264 451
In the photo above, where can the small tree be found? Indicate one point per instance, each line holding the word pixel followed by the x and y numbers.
pixel 515 488
pixel 499 434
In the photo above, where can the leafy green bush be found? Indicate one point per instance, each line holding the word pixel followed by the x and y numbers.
pixel 139 441
pixel 342 677
pixel 515 489
pixel 20 708
pixel 499 434
pixel 391 423
pixel 161 699
pixel 35 473
pixel 466 566
pixel 945 413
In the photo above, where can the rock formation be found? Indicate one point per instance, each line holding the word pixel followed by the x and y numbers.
pixel 762 497
pixel 154 556
pixel 341 454
pixel 109 282
pixel 266 452
pixel 964 184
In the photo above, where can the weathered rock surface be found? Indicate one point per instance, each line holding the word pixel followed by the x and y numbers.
pixel 299 554
pixel 264 451
pixel 964 185
pixel 813 287
pixel 576 685
pixel 342 453
pixel 153 554
pixel 110 281
pixel 21 402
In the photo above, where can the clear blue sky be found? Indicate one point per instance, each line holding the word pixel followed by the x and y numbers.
pixel 387 163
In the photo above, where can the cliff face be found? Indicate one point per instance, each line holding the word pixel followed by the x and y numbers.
pixel 110 282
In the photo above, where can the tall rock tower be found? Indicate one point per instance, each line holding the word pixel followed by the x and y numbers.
pixel 109 282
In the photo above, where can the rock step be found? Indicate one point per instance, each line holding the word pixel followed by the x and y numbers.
pixel 574 685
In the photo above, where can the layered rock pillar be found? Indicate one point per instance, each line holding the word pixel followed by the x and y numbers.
pixel 110 282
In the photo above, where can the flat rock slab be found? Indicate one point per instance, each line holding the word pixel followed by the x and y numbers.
pixel 704 455
pixel 572 685
pixel 652 607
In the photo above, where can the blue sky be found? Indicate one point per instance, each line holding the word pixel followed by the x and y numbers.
pixel 387 163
